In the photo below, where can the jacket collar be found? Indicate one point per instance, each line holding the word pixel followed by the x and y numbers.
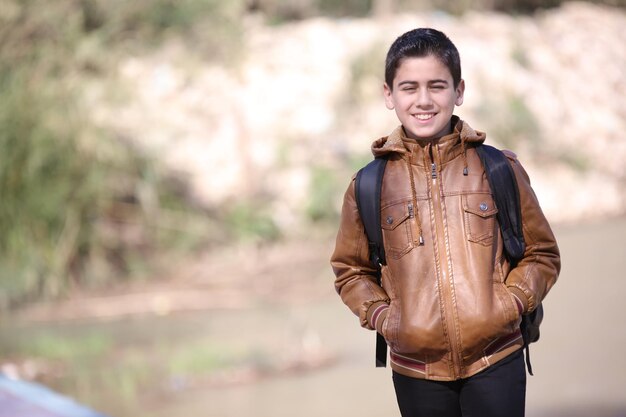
pixel 449 146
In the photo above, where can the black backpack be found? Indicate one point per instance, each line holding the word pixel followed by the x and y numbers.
pixel 506 195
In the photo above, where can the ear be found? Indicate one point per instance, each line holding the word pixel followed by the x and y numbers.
pixel 388 97
pixel 460 90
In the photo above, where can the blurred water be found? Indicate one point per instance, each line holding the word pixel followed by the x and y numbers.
pixel 579 363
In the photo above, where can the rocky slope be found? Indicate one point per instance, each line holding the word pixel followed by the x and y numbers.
pixel 307 96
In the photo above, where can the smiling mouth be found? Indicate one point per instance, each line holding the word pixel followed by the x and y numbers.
pixel 424 117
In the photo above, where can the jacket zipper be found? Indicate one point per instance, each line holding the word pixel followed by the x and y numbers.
pixel 420 240
pixel 446 284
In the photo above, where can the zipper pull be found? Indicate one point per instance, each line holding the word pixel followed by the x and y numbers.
pixel 411 215
pixel 433 170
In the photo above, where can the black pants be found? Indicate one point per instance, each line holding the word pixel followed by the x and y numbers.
pixel 498 391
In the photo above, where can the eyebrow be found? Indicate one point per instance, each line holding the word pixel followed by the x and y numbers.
pixel 436 81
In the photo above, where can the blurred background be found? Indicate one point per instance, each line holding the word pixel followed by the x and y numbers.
pixel 171 176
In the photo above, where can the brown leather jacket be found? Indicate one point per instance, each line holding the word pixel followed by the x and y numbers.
pixel 450 304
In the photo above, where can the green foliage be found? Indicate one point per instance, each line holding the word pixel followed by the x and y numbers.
pixel 322 192
pixel 149 22
pixel 39 181
pixel 366 70
pixel 70 201
pixel 251 220
pixel 514 126
pixel 345 8
pixel 279 11
pixel 26 27
pixel 510 121
pixel 519 54
pixel 77 207
pixel 55 347
pixel 358 161
pixel 507 6
pixel 202 359
pixel 574 158
pixel 112 365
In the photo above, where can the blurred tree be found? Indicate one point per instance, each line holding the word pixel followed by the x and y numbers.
pixel 77 207
pixel 278 11
pixel 507 6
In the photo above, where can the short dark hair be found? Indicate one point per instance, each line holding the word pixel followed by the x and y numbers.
pixel 419 43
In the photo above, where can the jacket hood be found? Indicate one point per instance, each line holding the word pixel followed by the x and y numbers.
pixel 395 142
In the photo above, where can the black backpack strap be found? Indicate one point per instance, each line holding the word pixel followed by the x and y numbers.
pixel 506 195
pixel 368 185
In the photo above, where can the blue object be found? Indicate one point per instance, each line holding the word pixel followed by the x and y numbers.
pixel 26 399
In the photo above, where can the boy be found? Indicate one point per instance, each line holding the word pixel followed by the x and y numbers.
pixel 450 304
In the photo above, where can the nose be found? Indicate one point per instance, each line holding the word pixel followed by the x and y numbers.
pixel 423 99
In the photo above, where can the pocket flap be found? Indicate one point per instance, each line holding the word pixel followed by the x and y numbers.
pixel 392 216
pixel 479 204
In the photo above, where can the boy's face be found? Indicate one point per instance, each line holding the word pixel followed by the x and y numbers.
pixel 423 96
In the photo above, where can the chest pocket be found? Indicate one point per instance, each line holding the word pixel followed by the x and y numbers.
pixel 479 218
pixel 396 225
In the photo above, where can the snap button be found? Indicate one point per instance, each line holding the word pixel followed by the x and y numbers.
pixel 389 219
pixel 483 207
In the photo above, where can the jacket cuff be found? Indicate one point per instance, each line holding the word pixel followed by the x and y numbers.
pixel 521 297
pixel 376 315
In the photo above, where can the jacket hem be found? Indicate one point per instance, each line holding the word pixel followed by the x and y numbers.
pixel 414 367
